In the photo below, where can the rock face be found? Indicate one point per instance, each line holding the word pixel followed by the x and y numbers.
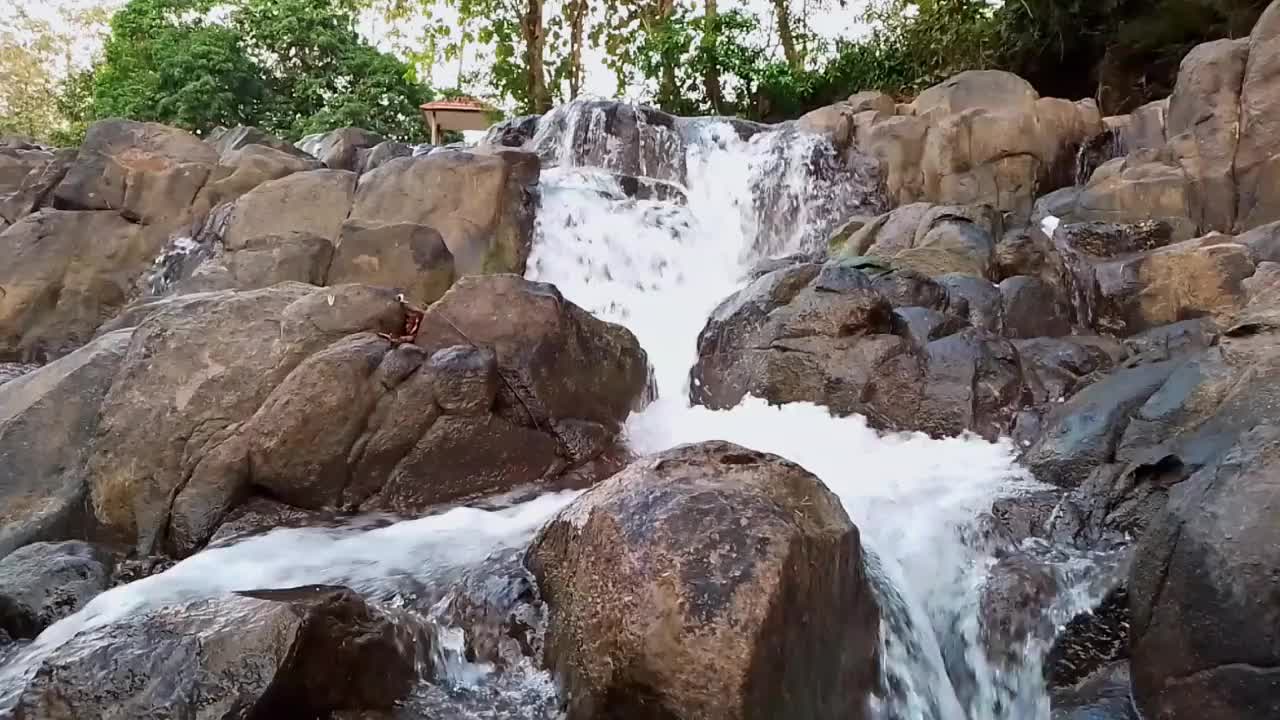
pixel 708 581
pixel 859 337
pixel 288 390
pixel 1204 593
pixel 45 582
pixel 981 137
pixel 65 272
pixel 314 202
pixel 303 652
pixel 48 419
pixel 1215 165
pixel 481 205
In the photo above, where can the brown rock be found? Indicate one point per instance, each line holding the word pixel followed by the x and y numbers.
pixel 301 652
pixel 688 586
pixel 482 205
pixel 63 273
pixel 147 172
pixel 314 202
pixel 47 422
pixel 412 259
pixel 1257 162
pixel 192 375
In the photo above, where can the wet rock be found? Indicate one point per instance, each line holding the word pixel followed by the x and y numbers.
pixel 1033 308
pixel 412 259
pixel 1108 239
pixel 966 381
pixel 302 652
pixel 1190 279
pixel 481 205
pixel 727 540
pixel 259 515
pixel 1146 185
pixel 45 582
pixel 1085 431
pixel 314 202
pixel 1203 591
pixel 340 149
pixel 146 172
pixel 1014 605
pixel 1103 695
pixel 985 306
pixel 500 612
pixel 1023 516
pixel 1056 368
pixel 924 325
pixel 1027 251
pixel 48 419
pixel 619 137
pixel 1090 641
pixel 1168 341
pixel 560 360
pixel 13 371
pixel 950 247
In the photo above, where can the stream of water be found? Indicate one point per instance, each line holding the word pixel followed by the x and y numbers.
pixel 660 267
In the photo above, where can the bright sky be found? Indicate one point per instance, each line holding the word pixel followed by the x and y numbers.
pixel 831 23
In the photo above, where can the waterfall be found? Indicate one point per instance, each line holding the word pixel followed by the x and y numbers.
pixel 659 263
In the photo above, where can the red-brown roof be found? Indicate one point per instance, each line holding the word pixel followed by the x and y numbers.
pixel 464 104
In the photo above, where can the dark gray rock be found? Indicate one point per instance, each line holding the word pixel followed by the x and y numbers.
pixel 45 582
pixel 1084 432
pixel 1204 595
pixel 1033 308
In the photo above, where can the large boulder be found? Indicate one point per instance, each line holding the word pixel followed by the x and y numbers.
pixel 481 205
pixel 289 392
pixel 62 273
pixel 258 263
pixel 1206 161
pixel 229 140
pixel 45 582
pixel 1204 594
pixel 148 173
pixel 978 137
pixel 48 420
pixel 303 652
pixel 192 374
pixel 859 337
pixel 708 581
pixel 314 202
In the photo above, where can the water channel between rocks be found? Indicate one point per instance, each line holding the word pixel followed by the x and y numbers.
pixel 661 267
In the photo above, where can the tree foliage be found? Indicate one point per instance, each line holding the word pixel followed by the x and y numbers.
pixel 38 77
pixel 288 66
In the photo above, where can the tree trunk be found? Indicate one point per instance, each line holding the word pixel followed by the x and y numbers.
pixel 783 15
pixel 668 94
pixel 534 38
pixel 577 18
pixel 711 77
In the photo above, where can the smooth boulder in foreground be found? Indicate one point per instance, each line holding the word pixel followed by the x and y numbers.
pixel 708 581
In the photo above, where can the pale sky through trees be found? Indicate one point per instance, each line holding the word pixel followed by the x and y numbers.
pixel 831 23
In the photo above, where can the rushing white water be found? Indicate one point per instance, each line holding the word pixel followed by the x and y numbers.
pixel 660 267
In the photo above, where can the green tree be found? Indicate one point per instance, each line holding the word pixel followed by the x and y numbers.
pixel 37 68
pixel 288 66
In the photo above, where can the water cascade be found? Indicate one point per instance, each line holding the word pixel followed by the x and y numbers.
pixel 659 263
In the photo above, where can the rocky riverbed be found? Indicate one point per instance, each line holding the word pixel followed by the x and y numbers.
pixel 964 408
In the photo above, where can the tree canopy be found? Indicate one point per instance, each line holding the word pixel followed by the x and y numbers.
pixel 288 66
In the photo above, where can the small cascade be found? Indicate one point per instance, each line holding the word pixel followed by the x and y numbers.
pixel 1097 150
pixel 184 253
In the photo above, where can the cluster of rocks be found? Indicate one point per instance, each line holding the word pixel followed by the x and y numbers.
pixel 1118 317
